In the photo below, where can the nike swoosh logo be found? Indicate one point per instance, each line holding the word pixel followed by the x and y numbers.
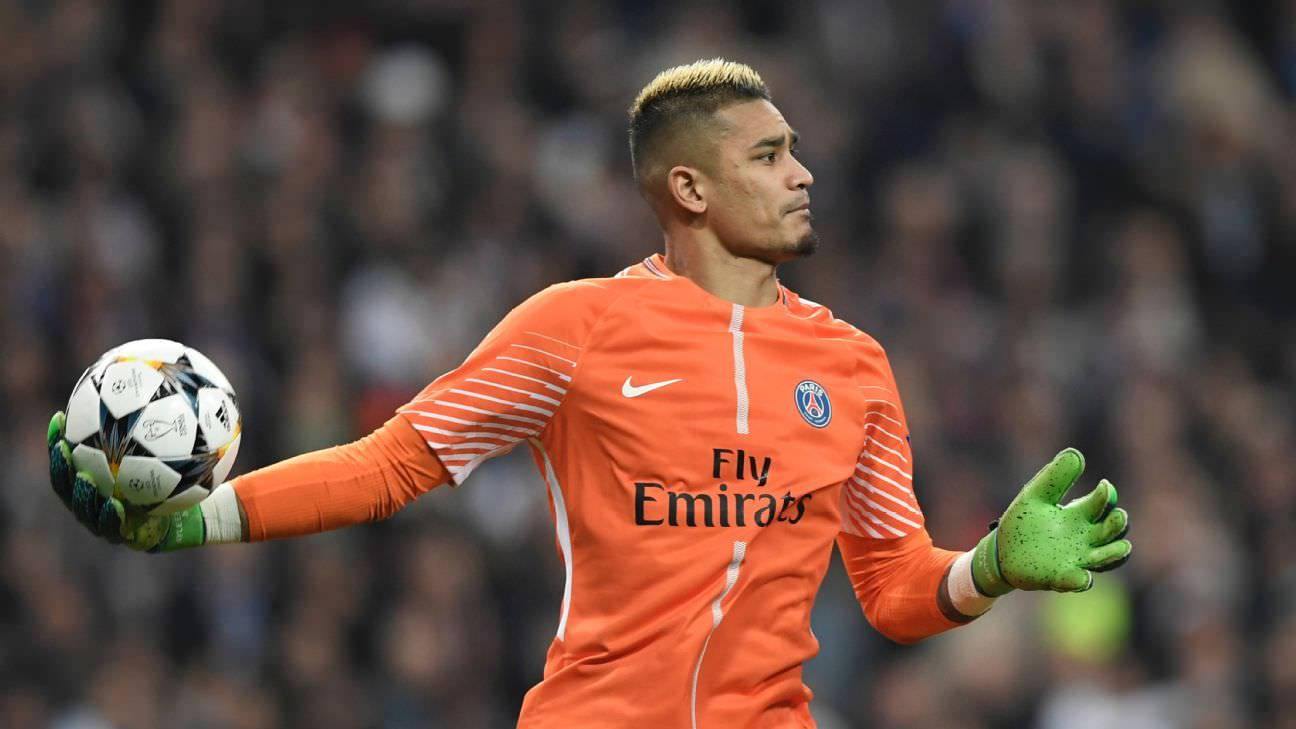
pixel 630 390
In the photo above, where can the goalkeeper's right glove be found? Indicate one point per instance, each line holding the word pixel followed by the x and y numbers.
pixel 105 515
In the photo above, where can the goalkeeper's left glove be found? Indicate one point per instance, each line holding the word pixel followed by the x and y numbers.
pixel 1040 545
pixel 105 515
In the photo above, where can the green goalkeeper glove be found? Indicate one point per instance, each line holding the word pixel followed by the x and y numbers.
pixel 105 515
pixel 1040 545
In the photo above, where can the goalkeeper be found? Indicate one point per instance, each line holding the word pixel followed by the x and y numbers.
pixel 706 437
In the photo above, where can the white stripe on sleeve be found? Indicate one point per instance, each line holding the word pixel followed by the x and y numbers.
pixel 478 411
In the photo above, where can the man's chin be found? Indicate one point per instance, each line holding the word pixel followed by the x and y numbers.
pixel 784 251
pixel 806 245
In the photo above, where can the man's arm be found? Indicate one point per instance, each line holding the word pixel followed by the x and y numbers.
pixel 367 480
pixel 902 584
pixel 910 589
pixel 503 394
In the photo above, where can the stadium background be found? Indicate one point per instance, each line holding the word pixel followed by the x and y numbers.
pixel 1070 222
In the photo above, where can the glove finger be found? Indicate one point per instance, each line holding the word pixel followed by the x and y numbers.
pixel 55 431
pixel 149 535
pixel 1055 479
pixel 61 471
pixel 111 517
pixel 1109 556
pixel 1110 529
pixel 1112 566
pixel 86 501
pixel 1075 580
pixel 1096 504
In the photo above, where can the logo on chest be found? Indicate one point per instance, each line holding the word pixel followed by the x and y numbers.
pixel 741 499
pixel 813 403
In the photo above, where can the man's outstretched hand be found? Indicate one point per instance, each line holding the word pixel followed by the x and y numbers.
pixel 1040 544
pixel 106 516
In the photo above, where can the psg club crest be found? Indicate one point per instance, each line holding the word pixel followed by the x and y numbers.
pixel 812 402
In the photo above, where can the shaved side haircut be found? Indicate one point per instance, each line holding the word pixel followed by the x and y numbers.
pixel 672 120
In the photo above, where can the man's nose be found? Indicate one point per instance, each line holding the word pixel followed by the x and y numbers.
pixel 802 179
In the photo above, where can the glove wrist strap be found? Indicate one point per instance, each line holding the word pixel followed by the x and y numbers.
pixel 186 530
pixel 964 596
pixel 986 576
pixel 221 516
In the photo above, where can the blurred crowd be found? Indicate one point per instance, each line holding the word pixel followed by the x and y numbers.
pixel 1069 222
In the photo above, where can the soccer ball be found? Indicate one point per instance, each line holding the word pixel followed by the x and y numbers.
pixel 156 423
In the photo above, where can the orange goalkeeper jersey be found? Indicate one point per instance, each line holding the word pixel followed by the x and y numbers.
pixel 702 458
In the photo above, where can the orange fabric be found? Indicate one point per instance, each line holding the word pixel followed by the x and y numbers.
pixel 701 458
pixel 367 480
pixel 896 581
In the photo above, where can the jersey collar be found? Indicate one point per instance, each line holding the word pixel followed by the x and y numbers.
pixel 655 266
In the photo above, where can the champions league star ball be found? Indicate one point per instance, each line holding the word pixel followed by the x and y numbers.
pixel 156 424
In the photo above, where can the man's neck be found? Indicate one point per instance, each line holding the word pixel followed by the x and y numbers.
pixel 736 279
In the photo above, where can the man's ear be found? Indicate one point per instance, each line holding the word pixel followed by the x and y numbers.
pixel 687 187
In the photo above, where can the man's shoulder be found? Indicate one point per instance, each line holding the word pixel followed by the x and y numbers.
pixel 829 326
pixel 578 304
pixel 565 312
pixel 587 293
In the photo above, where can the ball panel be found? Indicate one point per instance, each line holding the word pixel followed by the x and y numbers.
pixel 167 427
pixel 207 369
pixel 97 369
pixel 195 470
pixel 158 350
pixel 145 481
pixel 128 386
pixel 114 435
pixel 180 501
pixel 93 461
pixel 226 462
pixel 218 417
pixel 82 412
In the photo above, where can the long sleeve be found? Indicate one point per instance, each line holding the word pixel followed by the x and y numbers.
pixel 367 480
pixel 506 392
pixel 898 576
pixel 897 582
pixel 513 384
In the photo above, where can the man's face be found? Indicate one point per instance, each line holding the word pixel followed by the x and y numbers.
pixel 759 202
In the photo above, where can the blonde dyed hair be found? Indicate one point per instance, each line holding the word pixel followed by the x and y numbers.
pixel 672 110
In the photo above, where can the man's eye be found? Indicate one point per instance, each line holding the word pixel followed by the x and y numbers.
pixel 769 156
